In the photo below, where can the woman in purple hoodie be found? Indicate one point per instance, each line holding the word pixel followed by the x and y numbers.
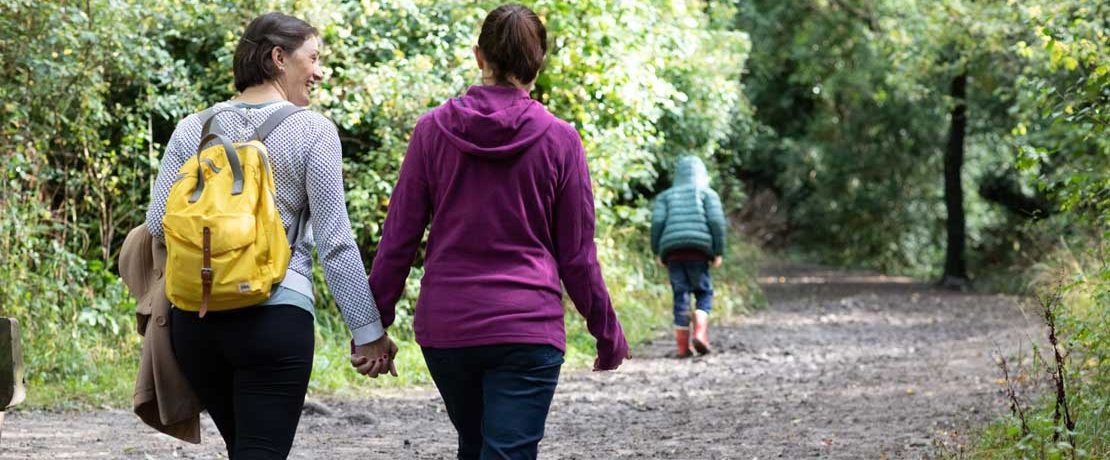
pixel 505 186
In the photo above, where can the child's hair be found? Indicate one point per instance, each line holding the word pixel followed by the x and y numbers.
pixel 513 42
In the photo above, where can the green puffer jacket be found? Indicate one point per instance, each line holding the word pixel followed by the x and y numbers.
pixel 689 214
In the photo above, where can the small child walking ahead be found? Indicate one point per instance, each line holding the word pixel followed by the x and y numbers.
pixel 687 234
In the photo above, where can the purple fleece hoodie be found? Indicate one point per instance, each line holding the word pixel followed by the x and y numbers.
pixel 505 186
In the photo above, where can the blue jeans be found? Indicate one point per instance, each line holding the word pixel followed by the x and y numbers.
pixel 497 396
pixel 690 277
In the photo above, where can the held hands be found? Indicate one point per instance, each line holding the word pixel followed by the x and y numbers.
pixel 375 358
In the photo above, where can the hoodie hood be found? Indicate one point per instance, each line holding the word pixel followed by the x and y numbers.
pixel 493 121
pixel 691 171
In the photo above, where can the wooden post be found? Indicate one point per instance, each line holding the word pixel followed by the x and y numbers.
pixel 12 390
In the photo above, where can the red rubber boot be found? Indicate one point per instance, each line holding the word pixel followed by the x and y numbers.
pixel 682 338
pixel 701 332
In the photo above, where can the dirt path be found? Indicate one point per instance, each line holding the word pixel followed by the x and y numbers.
pixel 842 365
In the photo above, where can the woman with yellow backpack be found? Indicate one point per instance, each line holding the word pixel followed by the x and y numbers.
pixel 243 191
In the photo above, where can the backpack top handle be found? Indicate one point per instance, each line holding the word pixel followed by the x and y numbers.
pixel 213 126
pixel 232 159
pixel 211 132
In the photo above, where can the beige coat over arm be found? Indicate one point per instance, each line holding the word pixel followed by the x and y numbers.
pixel 163 398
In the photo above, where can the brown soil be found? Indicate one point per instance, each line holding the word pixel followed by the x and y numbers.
pixel 841 365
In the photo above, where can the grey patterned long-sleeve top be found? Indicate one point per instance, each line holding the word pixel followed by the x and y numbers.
pixel 308 172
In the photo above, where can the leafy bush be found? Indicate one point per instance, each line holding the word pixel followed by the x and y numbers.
pixel 1064 150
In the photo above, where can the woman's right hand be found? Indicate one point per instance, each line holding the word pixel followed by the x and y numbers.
pixel 375 358
pixel 610 357
pixel 611 365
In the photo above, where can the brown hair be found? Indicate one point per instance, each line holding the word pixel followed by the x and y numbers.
pixel 513 41
pixel 252 64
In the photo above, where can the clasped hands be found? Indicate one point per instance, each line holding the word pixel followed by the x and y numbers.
pixel 375 358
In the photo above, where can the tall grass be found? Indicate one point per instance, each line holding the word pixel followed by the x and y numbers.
pixel 76 320
pixel 1080 320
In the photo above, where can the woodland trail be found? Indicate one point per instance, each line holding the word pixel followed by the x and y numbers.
pixel 841 365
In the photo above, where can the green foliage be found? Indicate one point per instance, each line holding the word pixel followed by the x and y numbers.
pixel 852 103
pixel 92 90
pixel 844 143
pixel 1064 132
pixel 852 106
pixel 1084 329
pixel 78 326
pixel 1063 148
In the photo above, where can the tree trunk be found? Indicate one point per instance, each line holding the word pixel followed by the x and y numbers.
pixel 955 266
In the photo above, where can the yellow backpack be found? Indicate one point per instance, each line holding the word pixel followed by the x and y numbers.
pixel 226 245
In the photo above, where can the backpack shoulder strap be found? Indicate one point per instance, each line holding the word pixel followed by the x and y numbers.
pixel 274 120
pixel 205 114
pixel 295 229
pixel 211 125
pixel 207 117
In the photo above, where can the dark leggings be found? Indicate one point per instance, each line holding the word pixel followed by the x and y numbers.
pixel 250 368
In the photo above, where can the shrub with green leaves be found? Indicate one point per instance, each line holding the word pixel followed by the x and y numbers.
pixel 1063 148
